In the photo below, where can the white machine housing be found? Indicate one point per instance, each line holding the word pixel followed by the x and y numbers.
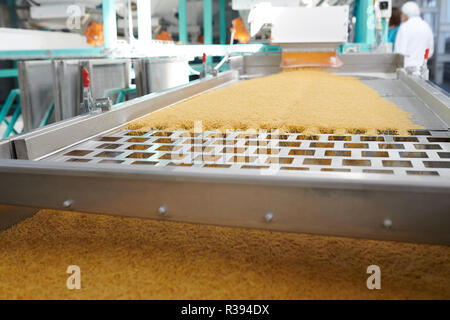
pixel 310 25
pixel 302 28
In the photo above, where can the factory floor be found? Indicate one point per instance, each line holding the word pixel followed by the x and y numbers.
pixel 130 258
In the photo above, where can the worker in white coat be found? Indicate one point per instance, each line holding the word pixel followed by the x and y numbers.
pixel 414 36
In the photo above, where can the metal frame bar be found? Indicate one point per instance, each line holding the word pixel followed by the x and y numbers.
pixel 120 93
pixel 443 30
pixel 10 129
pixel 207 22
pixel 109 24
pixel 47 115
pixel 364 32
pixel 144 20
pixel 9 73
pixel 176 50
pixel 222 21
pixel 6 151
pixel 207 26
pixel 12 12
pixel 182 21
pixel 53 53
pixel 13 95
pixel 338 204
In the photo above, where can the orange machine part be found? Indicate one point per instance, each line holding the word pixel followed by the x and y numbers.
pixel 240 31
pixel 94 33
pixel 310 59
pixel 164 35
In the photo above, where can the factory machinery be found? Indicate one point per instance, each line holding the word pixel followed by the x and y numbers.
pixel 383 186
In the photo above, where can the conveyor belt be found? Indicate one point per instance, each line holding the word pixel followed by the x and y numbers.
pixel 381 187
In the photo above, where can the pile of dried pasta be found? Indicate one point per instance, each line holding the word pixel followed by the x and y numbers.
pixel 304 100
pixel 130 258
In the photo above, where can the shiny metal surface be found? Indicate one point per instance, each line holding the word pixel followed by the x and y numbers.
pixel 427 154
pixel 42 142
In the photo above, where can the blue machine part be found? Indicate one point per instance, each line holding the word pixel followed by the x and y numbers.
pixel 365 22
pixel 365 28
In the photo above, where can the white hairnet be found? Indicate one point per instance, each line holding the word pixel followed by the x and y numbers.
pixel 411 9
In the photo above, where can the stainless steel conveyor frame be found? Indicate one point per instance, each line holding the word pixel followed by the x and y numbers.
pixel 36 172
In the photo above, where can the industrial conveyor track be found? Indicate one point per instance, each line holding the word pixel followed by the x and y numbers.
pixel 382 187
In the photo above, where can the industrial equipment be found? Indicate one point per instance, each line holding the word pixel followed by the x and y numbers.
pixel 58 96
pixel 382 187
pixel 308 36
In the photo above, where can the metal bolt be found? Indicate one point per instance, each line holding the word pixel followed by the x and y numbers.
pixel 269 216
pixel 68 203
pixel 387 223
pixel 162 210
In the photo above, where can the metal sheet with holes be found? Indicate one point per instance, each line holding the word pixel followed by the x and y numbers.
pixel 424 154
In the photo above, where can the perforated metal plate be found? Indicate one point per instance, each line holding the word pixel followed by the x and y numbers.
pixel 425 153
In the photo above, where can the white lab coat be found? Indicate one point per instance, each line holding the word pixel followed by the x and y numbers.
pixel 413 38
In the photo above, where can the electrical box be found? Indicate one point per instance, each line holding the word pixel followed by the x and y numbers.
pixel 385 8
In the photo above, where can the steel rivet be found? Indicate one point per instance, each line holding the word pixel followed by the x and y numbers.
pixel 269 216
pixel 162 210
pixel 387 223
pixel 68 203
